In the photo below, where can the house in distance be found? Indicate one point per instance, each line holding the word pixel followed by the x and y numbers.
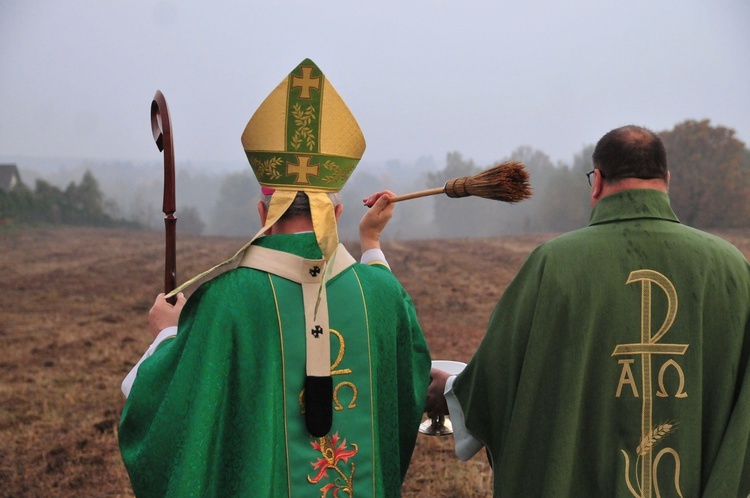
pixel 9 177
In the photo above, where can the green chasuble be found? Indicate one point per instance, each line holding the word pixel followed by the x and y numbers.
pixel 616 363
pixel 218 411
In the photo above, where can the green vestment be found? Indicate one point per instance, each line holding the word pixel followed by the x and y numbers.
pixel 616 362
pixel 218 410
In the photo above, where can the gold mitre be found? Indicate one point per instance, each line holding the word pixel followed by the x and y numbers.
pixel 303 136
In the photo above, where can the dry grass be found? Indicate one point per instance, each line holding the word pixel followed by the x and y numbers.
pixel 74 305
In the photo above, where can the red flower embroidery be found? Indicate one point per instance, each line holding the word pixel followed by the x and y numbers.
pixel 332 456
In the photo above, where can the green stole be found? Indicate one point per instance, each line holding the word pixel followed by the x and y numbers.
pixel 343 460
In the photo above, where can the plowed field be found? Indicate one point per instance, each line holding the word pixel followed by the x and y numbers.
pixel 73 321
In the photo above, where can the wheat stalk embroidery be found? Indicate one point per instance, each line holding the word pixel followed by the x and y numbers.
pixel 653 438
pixel 647 444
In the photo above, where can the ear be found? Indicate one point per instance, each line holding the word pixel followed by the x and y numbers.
pixel 337 211
pixel 598 182
pixel 596 187
pixel 263 214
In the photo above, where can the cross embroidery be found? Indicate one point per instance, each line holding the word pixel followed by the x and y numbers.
pixel 314 271
pixel 302 169
pixel 306 82
pixel 317 331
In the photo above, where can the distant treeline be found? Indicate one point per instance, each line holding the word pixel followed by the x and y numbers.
pixel 81 204
pixel 709 189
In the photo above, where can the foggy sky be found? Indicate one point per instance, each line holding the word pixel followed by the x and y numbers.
pixel 422 77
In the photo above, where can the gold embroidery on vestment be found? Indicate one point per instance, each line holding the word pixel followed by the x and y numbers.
pixel 369 362
pixel 283 378
pixel 339 358
pixel 337 404
pixel 626 377
pixel 676 471
pixel 662 393
pixel 649 345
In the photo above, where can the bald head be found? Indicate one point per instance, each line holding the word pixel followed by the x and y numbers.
pixel 630 152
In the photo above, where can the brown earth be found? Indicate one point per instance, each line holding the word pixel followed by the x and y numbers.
pixel 74 306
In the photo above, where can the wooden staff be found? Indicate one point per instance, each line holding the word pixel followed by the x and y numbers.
pixel 162 130
pixel 507 182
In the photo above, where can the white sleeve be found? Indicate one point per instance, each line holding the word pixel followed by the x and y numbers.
pixel 371 256
pixel 466 444
pixel 127 383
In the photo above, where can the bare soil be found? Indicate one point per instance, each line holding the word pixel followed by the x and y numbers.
pixel 73 321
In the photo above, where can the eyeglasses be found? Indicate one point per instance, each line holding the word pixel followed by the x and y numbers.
pixel 588 175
